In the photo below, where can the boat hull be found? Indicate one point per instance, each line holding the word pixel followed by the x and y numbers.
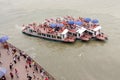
pixel 101 37
pixel 27 33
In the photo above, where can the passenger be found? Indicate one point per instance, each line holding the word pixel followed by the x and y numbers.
pixel 26 67
pixel 18 57
pixel 3 78
pixel 11 75
pixel 14 51
pixel 11 66
pixel 29 77
pixel 16 73
pixel 102 34
pixel 20 52
pixel 34 77
pixel 14 59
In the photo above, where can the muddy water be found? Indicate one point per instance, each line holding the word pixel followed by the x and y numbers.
pixel 93 60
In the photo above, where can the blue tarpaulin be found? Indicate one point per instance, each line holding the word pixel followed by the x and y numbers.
pixel 87 19
pixel 53 25
pixel 60 25
pixel 95 21
pixel 78 23
pixel 71 22
pixel 2 71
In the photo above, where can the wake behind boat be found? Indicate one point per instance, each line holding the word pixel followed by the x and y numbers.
pixel 66 29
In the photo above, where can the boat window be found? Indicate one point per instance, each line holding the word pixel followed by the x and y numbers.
pixel 54 36
pixel 86 31
pixel 69 33
pixel 34 31
pixel 90 33
pixel 95 33
pixel 58 37
pixel 74 34
pixel 44 35
pixel 39 33
pixel 63 36
pixel 47 35
pixel 30 30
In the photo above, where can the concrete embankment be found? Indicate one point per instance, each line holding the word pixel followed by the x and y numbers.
pixel 21 61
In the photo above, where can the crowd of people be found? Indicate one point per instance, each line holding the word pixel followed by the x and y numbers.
pixel 56 24
pixel 30 64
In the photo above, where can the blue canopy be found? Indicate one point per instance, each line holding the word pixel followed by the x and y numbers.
pixel 53 25
pixel 60 25
pixel 0 39
pixel 2 72
pixel 95 21
pixel 78 23
pixel 87 19
pixel 71 22
pixel 4 38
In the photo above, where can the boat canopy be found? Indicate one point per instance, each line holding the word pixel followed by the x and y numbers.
pixel 87 19
pixel 65 31
pixel 95 21
pixel 70 22
pixel 81 30
pixel 97 28
pixel 60 25
pixel 53 25
pixel 78 23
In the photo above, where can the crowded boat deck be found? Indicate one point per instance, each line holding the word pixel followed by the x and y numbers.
pixel 66 29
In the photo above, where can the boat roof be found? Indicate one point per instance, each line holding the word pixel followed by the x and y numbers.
pixel 81 30
pixel 65 31
pixel 97 28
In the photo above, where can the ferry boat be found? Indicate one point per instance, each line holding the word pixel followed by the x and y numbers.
pixel 66 29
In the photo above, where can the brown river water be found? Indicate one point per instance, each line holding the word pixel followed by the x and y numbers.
pixel 93 60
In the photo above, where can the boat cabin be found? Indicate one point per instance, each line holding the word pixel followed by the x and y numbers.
pixel 80 32
pixel 96 31
pixel 64 34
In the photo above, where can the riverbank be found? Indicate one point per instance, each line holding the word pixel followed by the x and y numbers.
pixel 25 65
